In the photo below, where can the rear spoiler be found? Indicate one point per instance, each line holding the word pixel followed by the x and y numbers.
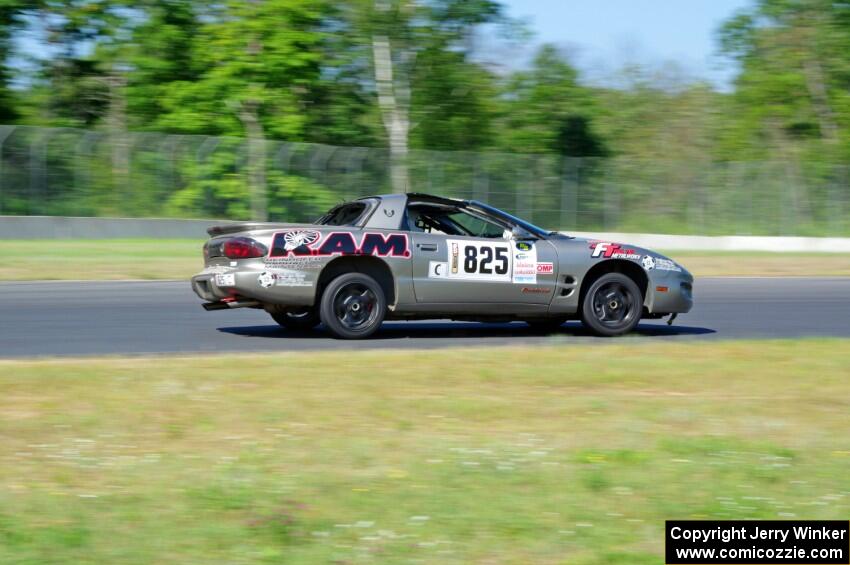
pixel 236 227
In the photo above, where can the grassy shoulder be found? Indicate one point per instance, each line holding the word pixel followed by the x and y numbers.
pixel 100 259
pixel 179 259
pixel 516 455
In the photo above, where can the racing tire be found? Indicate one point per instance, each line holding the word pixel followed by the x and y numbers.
pixel 546 324
pixel 353 306
pixel 612 306
pixel 302 319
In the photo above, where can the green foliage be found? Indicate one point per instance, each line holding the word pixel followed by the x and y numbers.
pixel 303 71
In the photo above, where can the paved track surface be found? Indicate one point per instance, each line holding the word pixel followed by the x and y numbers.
pixel 94 318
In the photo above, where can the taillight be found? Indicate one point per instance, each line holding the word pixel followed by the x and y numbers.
pixel 243 248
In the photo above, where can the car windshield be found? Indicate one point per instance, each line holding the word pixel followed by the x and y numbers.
pixel 527 226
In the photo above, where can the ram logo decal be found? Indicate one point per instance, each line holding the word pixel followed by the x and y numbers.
pixel 302 243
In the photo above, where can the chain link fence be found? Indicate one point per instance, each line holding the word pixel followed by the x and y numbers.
pixel 68 172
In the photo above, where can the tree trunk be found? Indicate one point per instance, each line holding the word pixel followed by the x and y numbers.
pixel 393 101
pixel 256 160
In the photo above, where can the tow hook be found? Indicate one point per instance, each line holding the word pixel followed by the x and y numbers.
pixel 672 317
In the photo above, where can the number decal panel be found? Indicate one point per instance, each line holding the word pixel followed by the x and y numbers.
pixel 479 260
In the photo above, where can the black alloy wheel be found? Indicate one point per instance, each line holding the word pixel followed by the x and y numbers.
pixel 612 305
pixel 353 306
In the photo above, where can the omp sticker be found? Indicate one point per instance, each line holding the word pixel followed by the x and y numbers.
pixel 525 266
pixel 480 260
pixel 545 268
pixel 438 270
pixel 225 280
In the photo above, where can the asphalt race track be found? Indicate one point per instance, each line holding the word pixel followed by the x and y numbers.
pixel 95 318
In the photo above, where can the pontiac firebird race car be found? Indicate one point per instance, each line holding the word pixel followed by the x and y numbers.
pixel 415 256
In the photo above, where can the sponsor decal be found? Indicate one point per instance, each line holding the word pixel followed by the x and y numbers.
pixel 525 268
pixel 216 269
pixel 454 258
pixel 266 279
pixel 297 263
pixel 545 268
pixel 438 270
pixel 225 280
pixel 609 250
pixel 648 262
pixel 291 278
pixel 339 243
pixel 666 265
pixel 536 290
pixel 480 260
pixel 296 238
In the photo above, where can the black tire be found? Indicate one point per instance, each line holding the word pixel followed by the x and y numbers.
pixel 301 319
pixel 612 306
pixel 353 306
pixel 546 324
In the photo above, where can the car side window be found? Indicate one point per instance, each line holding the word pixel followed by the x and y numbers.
pixel 478 227
pixel 345 215
pixel 444 220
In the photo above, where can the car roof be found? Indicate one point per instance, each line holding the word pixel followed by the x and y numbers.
pixel 420 197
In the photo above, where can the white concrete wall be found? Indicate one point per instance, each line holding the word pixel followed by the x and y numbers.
pixel 725 243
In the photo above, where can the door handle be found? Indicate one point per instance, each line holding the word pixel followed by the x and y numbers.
pixel 426 246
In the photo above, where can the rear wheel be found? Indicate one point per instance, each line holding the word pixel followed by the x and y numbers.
pixel 298 319
pixel 612 305
pixel 353 306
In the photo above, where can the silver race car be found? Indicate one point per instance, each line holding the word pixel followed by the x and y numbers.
pixel 415 256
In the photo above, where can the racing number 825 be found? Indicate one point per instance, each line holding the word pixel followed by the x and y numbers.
pixel 471 263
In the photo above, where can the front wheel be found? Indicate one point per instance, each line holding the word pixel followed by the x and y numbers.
pixel 298 319
pixel 612 305
pixel 353 306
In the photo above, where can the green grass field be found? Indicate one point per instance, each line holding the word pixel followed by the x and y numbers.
pixel 179 259
pixel 565 454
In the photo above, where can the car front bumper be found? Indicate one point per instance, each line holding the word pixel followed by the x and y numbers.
pixel 670 292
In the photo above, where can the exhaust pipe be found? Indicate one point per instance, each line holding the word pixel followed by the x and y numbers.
pixel 210 306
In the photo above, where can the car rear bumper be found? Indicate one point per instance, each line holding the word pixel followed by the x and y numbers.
pixel 216 285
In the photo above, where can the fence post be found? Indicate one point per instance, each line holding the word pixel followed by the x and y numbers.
pixel 569 191
pixel 83 146
pixel 5 131
pixel 38 152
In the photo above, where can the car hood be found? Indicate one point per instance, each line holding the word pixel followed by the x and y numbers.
pixel 605 249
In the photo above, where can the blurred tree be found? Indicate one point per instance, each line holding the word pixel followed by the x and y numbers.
pixel 793 92
pixel 547 111
pixel 420 58
pixel 12 14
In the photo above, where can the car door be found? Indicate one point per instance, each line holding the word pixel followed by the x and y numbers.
pixel 460 269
